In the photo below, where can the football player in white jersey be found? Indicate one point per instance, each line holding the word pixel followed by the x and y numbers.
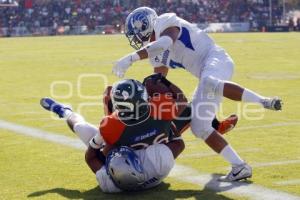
pixel 171 42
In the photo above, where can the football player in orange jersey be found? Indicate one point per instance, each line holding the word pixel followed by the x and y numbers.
pixel 138 121
pixel 149 128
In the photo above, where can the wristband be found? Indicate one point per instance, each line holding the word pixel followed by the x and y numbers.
pixel 134 57
pixel 96 142
pixel 94 145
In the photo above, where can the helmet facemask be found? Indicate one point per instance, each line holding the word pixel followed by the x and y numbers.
pixel 134 41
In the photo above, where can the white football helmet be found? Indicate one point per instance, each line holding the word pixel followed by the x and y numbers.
pixel 139 26
pixel 125 169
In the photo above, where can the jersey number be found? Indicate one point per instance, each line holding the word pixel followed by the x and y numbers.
pixel 159 139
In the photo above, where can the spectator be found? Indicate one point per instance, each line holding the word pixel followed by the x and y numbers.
pixel 93 13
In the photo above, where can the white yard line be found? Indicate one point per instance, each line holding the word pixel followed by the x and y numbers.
pixel 251 191
pixel 288 182
pixel 280 124
pixel 274 163
pixel 212 153
pixel 37 133
pixel 268 164
pixel 181 173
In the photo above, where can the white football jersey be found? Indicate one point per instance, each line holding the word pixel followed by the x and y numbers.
pixel 157 161
pixel 190 49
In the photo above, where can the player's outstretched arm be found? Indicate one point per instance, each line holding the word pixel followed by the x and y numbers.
pixel 161 70
pixel 107 103
pixel 93 154
pixel 91 158
pixel 176 146
pixel 166 40
pixel 155 80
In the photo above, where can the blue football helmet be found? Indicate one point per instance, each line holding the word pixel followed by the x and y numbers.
pixel 139 26
pixel 125 168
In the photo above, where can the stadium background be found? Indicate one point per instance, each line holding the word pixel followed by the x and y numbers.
pixel 57 17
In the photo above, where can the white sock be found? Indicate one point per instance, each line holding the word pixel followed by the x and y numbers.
pixel 85 131
pixel 67 113
pixel 231 156
pixel 250 96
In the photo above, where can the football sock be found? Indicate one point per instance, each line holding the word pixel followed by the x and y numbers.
pixel 250 96
pixel 231 156
pixel 67 113
pixel 84 130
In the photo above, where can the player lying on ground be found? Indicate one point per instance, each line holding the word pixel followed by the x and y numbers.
pixel 135 123
pixel 176 43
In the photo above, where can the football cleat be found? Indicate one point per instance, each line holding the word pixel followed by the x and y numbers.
pixel 272 103
pixel 238 172
pixel 228 124
pixel 56 107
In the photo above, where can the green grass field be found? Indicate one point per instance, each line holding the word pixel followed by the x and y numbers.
pixel 70 69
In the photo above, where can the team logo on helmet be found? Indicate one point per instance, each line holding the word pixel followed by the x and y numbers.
pixel 139 26
pixel 140 22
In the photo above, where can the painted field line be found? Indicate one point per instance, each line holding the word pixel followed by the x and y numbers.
pixel 288 182
pixel 274 163
pixel 37 133
pixel 268 164
pixel 212 153
pixel 251 191
pixel 181 173
pixel 279 124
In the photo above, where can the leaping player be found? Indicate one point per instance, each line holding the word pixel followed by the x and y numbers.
pixel 171 42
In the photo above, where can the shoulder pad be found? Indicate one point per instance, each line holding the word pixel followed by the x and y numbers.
pixel 165 21
pixel 111 128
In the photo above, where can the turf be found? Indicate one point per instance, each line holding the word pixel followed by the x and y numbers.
pixel 32 168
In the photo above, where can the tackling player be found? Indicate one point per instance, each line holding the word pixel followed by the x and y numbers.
pixel 142 123
pixel 171 42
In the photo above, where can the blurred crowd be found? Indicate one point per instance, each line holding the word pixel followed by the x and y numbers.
pixel 34 14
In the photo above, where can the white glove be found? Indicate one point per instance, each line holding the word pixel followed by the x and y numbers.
pixel 121 66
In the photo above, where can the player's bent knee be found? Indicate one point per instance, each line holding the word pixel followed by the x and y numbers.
pixel 202 132
pixel 212 85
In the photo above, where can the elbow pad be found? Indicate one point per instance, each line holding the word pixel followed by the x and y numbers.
pixel 155 48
